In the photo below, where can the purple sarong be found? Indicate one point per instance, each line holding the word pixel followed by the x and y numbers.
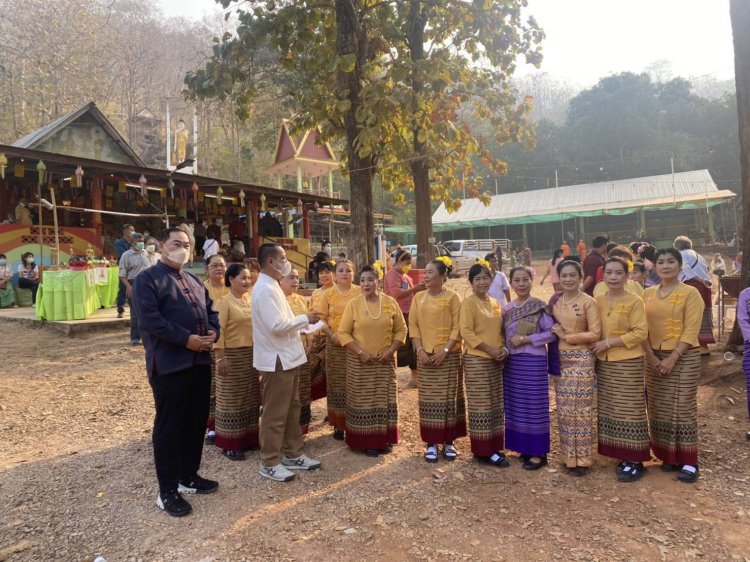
pixel 746 368
pixel 526 392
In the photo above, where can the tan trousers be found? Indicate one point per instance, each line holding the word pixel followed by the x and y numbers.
pixel 279 425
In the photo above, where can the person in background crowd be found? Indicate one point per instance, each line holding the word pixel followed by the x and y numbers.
pixel 122 245
pixel 7 294
pixel 215 284
pixel 695 272
pixel 187 226
pixel 317 351
pixel 621 402
pixel 23 215
pixel 277 355
pixel 577 325
pixel 527 327
pixel 647 253
pixel 399 285
pixel 481 324
pixel 434 326
pixel 638 273
pixel 179 328
pixel 499 288
pixel 133 263
pixel 557 258
pixel 630 286
pixel 565 249
pixel 254 267
pixel 331 309
pixel 526 256
pixel 718 267
pixel 28 274
pixel 743 318
pixel 593 262
pixel 371 329
pixel 737 264
pixel 289 285
pixel 211 246
pixel 151 254
pixel 581 249
pixel 673 367
pixel 214 229
pixel 237 385
pixel 200 236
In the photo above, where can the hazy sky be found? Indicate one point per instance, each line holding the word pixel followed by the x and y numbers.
pixel 588 39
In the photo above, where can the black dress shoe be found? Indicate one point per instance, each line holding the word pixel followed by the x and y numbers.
pixel 372 453
pixel 338 434
pixel 530 464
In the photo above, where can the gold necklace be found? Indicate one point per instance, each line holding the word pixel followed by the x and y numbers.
pixel 243 302
pixel 380 308
pixel 483 307
pixel 659 294
pixel 342 293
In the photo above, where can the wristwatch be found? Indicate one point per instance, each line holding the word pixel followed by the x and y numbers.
pixel 446 350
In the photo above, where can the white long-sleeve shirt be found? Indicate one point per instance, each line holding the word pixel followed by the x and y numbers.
pixel 275 328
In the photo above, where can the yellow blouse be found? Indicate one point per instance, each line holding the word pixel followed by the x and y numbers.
pixel 317 294
pixel 297 303
pixel 675 318
pixel 580 319
pixel 216 293
pixel 630 286
pixel 625 318
pixel 236 322
pixel 333 303
pixel 435 320
pixel 374 333
pixel 481 322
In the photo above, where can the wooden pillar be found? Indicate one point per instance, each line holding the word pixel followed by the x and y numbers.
pixel 306 216
pixel 524 235
pixel 299 178
pixel 253 224
pixel 582 228
pixel 97 203
pixel 711 230
pixel 642 220
pixel 330 184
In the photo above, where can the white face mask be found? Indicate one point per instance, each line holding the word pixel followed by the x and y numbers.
pixel 327 250
pixel 150 248
pixel 286 269
pixel 180 255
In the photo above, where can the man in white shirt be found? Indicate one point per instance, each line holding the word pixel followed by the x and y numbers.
pixel 277 355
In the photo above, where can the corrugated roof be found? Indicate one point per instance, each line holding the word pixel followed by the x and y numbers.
pixel 684 190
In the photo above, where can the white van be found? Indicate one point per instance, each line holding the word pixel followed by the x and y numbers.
pixel 460 264
pixel 476 248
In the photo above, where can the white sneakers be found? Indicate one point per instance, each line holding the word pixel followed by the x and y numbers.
pixel 283 472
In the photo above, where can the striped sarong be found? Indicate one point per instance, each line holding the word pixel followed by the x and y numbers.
pixel 706 334
pixel 336 383
pixel 442 407
pixel 621 400
pixel 746 368
pixel 211 422
pixel 238 402
pixel 317 360
pixel 484 394
pixel 526 391
pixel 574 395
pixel 673 409
pixel 305 413
pixel 371 404
pixel 7 296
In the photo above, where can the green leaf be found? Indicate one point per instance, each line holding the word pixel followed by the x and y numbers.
pixel 342 106
pixel 348 63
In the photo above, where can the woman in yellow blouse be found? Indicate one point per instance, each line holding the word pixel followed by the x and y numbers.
pixel 577 326
pixel 623 425
pixel 372 329
pixel 481 323
pixel 434 330
pixel 289 286
pixel 631 286
pixel 673 366
pixel 317 351
pixel 216 269
pixel 237 384
pixel 331 308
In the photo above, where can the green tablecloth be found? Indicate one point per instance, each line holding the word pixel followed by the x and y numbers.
pixel 67 295
pixel 107 285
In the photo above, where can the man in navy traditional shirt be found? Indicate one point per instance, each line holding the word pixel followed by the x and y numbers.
pixel 178 327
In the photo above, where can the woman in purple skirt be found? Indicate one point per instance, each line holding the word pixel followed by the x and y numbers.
pixel 527 326
pixel 743 317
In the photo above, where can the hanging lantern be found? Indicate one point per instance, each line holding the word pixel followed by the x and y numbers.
pixel 41 168
pixel 263 202
pixel 170 185
pixel 3 163
pixel 242 198
pixel 300 207
pixel 142 180
pixel 219 193
pixel 316 206
pixel 79 176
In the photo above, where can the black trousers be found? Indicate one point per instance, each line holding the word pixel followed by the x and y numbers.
pixel 181 401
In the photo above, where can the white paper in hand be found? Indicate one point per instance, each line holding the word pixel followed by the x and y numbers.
pixel 312 327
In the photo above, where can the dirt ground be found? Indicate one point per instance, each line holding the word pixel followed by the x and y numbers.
pixel 77 481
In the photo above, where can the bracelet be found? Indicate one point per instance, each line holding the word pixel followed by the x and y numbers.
pixel 607 342
pixel 359 352
pixel 220 360
pixel 678 352
pixel 420 349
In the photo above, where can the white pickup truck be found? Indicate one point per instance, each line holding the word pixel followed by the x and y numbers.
pixel 461 264
pixel 476 248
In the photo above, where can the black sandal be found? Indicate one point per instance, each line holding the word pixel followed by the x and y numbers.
pixel 496 459
pixel 372 452
pixel 338 434
pixel 631 472
pixel 578 471
pixel 666 467
pixel 688 476
pixel 234 455
pixel 531 464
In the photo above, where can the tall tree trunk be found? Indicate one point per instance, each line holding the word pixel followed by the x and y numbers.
pixel 352 38
pixel 420 173
pixel 739 11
